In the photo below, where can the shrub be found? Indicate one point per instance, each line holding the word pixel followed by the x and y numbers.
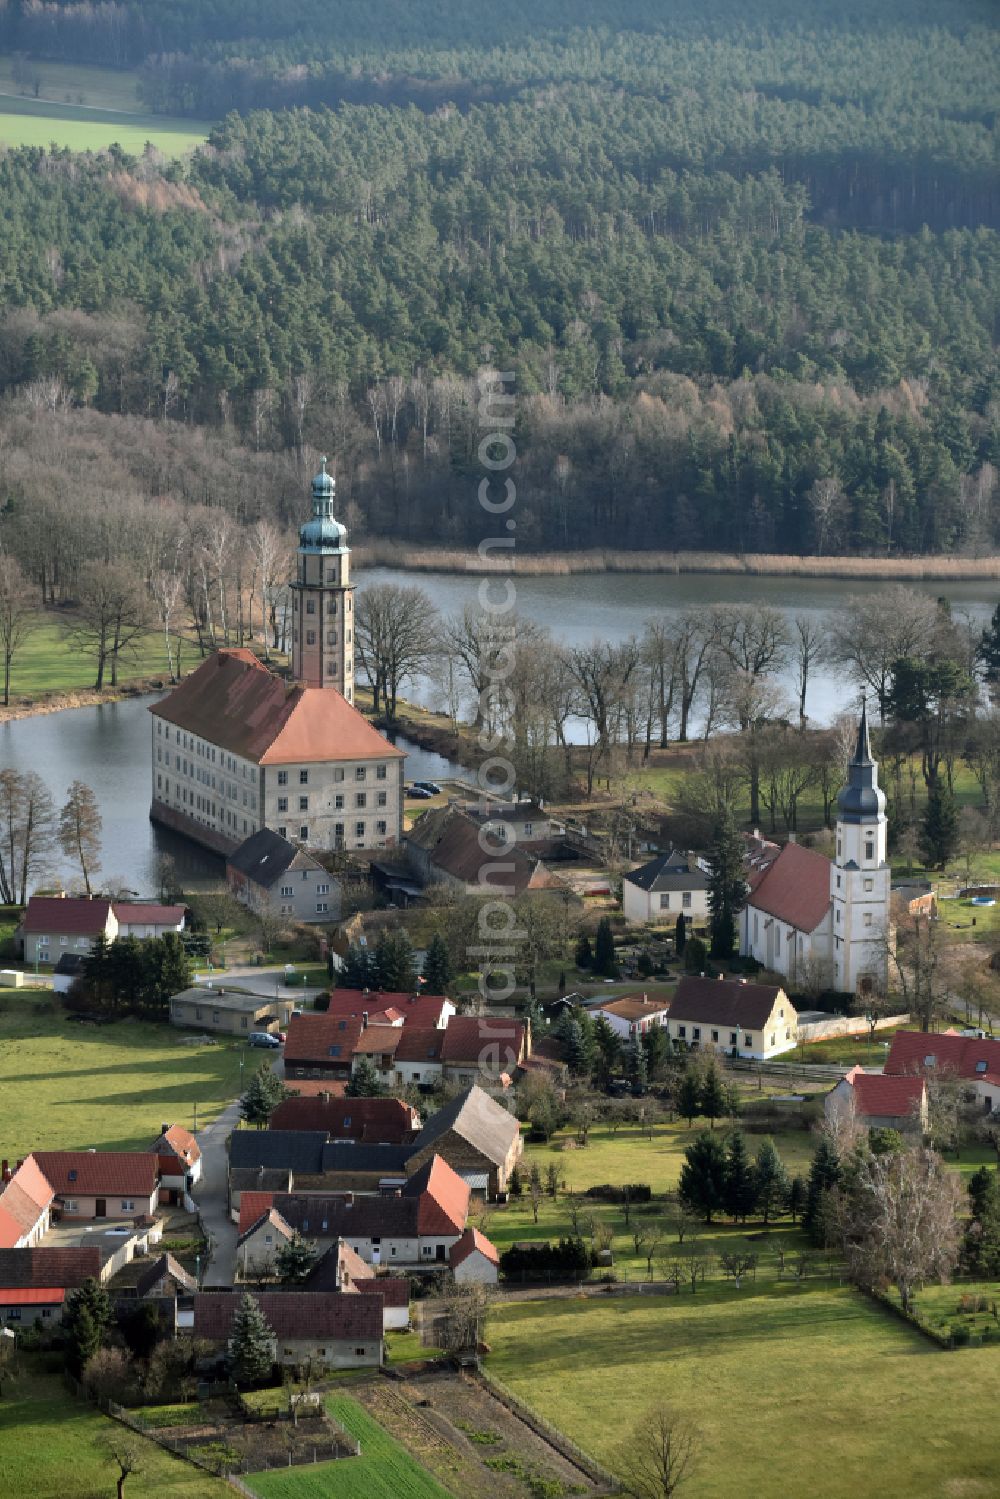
pixel 567 1260
pixel 637 1191
pixel 960 1335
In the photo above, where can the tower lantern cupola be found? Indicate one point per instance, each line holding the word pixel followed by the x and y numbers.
pixel 323 597
pixel 862 800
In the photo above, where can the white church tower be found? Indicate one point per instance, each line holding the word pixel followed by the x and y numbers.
pixel 860 877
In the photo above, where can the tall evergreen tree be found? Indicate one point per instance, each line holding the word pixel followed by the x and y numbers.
pixel 939 830
pixel 770 1180
pixel 360 970
pixel 437 966
pixel 727 886
pixel 364 1081
pixel 689 1095
pixel 740 1188
pixel 638 1069
pixel 605 962
pixel 712 1095
pixel 680 934
pixel 584 955
pixel 577 1059
pixel 294 1260
pixel 263 1094
pixel 251 1344
pixel 86 1319
pixel 702 1185
pixel 395 963
pixel 824 1175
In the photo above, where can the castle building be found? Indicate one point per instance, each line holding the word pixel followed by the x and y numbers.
pixel 236 748
pixel 821 922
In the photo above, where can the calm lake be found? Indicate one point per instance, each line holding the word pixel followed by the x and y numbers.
pixel 108 746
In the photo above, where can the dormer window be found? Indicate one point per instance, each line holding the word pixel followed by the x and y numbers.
pixel 930 1060
pixel 72 1176
pixel 980 1066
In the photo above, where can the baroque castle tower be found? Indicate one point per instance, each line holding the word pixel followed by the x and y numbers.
pixel 323 598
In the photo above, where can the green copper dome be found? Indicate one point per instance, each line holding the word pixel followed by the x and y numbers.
pixel 322 533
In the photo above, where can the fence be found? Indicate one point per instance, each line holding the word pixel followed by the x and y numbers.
pixel 227 1463
pixel 551 1434
pixel 818 1071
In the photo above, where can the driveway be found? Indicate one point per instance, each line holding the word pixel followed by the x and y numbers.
pixel 267 982
pixel 212 1197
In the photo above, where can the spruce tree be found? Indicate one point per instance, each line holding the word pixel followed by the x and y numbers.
pixel 364 1080
pixel 824 1175
pixel 395 963
pixel 251 1344
pixel 939 831
pixel 702 1182
pixel 726 885
pixel 584 955
pixel 695 955
pixel 263 1094
pixel 638 1069
pixel 294 1260
pixel 712 1097
pixel 605 962
pixel 988 653
pixel 577 1059
pixel 740 1190
pixel 437 966
pixel 689 1095
pixel 86 1320
pixel 770 1180
pixel 358 971
pixel 796 1197
pixel 680 935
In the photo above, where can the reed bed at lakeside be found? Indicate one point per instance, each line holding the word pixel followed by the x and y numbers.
pixel 403 555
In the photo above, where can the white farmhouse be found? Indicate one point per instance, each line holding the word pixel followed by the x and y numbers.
pixel 668 886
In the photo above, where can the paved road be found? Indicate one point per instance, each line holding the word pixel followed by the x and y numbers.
pixel 267 982
pixel 211 1197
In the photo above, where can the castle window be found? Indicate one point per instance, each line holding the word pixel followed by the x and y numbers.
pixel 310 637
pixel 382 799
pixel 359 772
pixel 282 803
pixel 380 772
pixel 310 606
pixel 869 848
pixel 380 827
pixel 331 637
pixel 869 884
pixel 360 800
pixel 303 778
pixel 303 804
pixel 304 834
pixel 338 774
pixel 359 830
pixel 338 803
pixel 282 777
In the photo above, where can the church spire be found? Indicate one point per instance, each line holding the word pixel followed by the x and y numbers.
pixel 863 748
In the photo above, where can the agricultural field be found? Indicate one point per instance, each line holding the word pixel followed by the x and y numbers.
pixel 68 1086
pixel 53 1446
pixel 85 109
pixel 385 1470
pixel 772 1377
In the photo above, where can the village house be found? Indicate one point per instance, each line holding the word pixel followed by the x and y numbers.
pixel 443 847
pixel 56 925
pixel 321 1045
pixel 484 1050
pixel 379 1121
pixel 879 1102
pixel 475 1135
pixel 390 1008
pixel 474 1259
pixel 631 1015
pixel 97 1184
pixel 733 1016
pixel 820 922
pixel 34 1283
pixel 518 822
pixel 340 1269
pixel 269 874
pixel 478 1138
pixel 178 1157
pixel 227 1010
pixel 412 1226
pixel 336 1330
pixel 26 1202
pixel 668 886
pixel 973 1059
pixel 236 749
pixel 418 1058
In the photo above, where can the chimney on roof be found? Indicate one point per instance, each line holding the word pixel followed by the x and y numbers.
pixel 364 993
pixel 324 1097
pixel 164 1128
pixel 364 1020
pixel 4 1171
pixel 20 1163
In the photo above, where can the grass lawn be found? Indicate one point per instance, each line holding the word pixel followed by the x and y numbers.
pixel 385 1470
pixel 51 1448
pixel 67 1086
pixel 47 662
pixel 87 109
pixel 794 1391
pixel 966 1303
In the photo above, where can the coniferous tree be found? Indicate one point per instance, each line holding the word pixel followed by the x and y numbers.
pixel 740 1190
pixel 824 1175
pixel 702 1185
pixel 395 964
pixel 252 1343
pixel 988 653
pixel 577 1058
pixel 695 955
pixel 364 1081
pixel 726 885
pixel 294 1260
pixel 796 1197
pixel 607 1047
pixel 359 970
pixel 680 935
pixel 939 831
pixel 689 1095
pixel 86 1319
pixel 584 955
pixel 605 962
pixel 712 1097
pixel 638 1069
pixel 437 966
pixel 263 1094
pixel 770 1180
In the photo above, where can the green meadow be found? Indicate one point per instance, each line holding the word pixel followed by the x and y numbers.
pixel 86 109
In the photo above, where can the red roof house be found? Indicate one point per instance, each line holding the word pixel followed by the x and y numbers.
pixel 338 1329
pixel 972 1058
pixel 34 1282
pixel 321 1043
pixel 479 1048
pixel 878 1101
pixel 178 1156
pixel 474 1258
pixel 380 1121
pixel 100 1183
pixel 25 1203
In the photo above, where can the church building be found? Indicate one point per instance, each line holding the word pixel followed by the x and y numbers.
pixel 237 748
pixel 820 922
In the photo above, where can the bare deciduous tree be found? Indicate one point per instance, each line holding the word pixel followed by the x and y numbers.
pixel 112 614
pixel 17 617
pixel 900 1220
pixel 27 833
pixel 876 630
pixel 80 830
pixel 396 635
pixel 659 1456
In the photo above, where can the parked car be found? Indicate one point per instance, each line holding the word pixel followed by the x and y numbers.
pixel 420 793
pixel 264 1039
pixel 431 787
